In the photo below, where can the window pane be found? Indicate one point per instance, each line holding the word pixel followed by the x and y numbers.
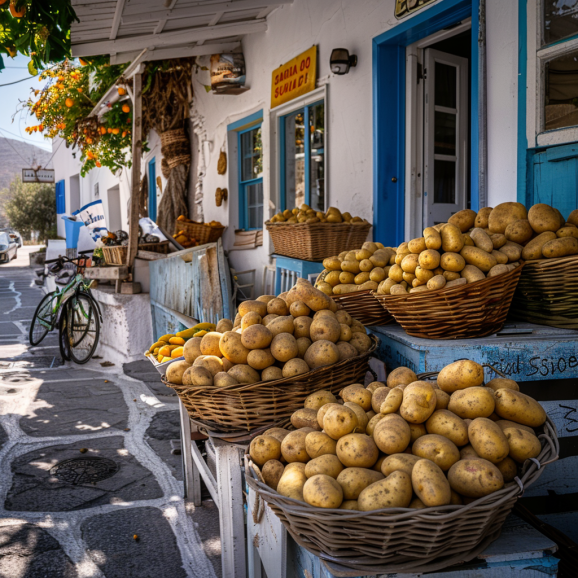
pixel 317 159
pixel 251 154
pixel 560 19
pixel 295 159
pixel 445 85
pixel 561 98
pixel 254 196
pixel 444 181
pixel 444 133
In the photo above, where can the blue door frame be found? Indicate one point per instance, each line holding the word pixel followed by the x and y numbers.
pixel 152 189
pixel 389 95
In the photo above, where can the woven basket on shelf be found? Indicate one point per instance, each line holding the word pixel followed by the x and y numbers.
pixel 250 406
pixel 200 231
pixel 463 312
pixel 175 147
pixel 401 540
pixel 363 306
pixel 118 255
pixel 547 293
pixel 316 241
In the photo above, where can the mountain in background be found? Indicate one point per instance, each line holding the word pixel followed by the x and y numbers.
pixel 16 155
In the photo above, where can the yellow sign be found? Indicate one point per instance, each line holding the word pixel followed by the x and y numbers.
pixel 294 78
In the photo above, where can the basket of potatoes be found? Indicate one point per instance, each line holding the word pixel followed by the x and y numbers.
pixel 547 292
pixel 455 282
pixel 303 233
pixel 408 476
pixel 257 370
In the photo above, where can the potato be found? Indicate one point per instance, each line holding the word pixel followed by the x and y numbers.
pixel 459 375
pixel 269 318
pixel 349 505
pixel 468 452
pixel 471 274
pixel 395 273
pixel 419 402
pixel 255 337
pixel 504 424
pixel 449 425
pixel 498 270
pixel 326 328
pixel 321 353
pixel 478 257
pixel 305 417
pixel 430 484
pixel 192 349
pixel 244 374
pixel 482 240
pixel 357 450
pixel 378 397
pixel 332 264
pixel 452 262
pixel 302 326
pixel 176 370
pixel 395 491
pixel 210 344
pixel 343 317
pixel 298 309
pixel 295 367
pixel 277 432
pixel 498 240
pixel 399 462
pixel 567 232
pixel 488 440
pixel 319 444
pixel 251 318
pixel 346 350
pixel 423 275
pixel 223 379
pixel 520 408
pixel 339 421
pixel 324 409
pixel 416 430
pixel 400 376
pixel 543 218
pixel 522 444
pixel 293 447
pixel 260 359
pixel 437 282
pixel 292 481
pixel 312 297
pixel 392 402
pixel 318 399
pixel 350 266
pixel 573 218
pixel 560 247
pixel 346 334
pixel 464 220
pixel 508 469
pixel 452 239
pixel 257 306
pixel 271 374
pixel 417 245
pixel 475 478
pixel 438 449
pixel 472 402
pixel 264 448
pixel 429 259
pixel 281 325
pixel 504 214
pixel 442 399
pixel 373 421
pixel 322 491
pixel 224 325
pixel 356 393
pixel 232 347
pixel 409 263
pixel 210 362
pixel 284 347
pixel 327 464
pixel 519 231
pixel 354 480
pixel 502 383
pixel 361 278
pixel 512 250
pixel 432 238
pixel 392 434
pixel 501 258
pixel 272 472
pixel 481 220
pixel 197 375
pixel 266 298
pixel 361 342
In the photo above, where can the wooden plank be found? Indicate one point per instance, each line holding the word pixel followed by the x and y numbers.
pixel 182 52
pixel 106 273
pixel 150 256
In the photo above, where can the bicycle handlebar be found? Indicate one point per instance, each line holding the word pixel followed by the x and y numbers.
pixel 65 259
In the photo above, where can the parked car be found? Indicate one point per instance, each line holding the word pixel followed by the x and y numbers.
pixel 14 235
pixel 8 248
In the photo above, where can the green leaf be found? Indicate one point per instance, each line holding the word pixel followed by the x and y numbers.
pixel 207 87
pixel 31 68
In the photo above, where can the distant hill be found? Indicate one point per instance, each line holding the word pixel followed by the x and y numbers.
pixel 16 155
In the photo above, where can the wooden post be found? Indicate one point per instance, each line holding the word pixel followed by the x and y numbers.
pixel 135 182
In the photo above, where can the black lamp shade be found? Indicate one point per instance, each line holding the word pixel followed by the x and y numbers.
pixel 341 61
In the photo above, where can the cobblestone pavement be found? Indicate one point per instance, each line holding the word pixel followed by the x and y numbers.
pixel 117 513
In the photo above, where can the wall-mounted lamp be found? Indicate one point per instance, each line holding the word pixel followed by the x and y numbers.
pixel 340 61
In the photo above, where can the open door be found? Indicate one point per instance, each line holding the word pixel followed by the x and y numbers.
pixel 445 143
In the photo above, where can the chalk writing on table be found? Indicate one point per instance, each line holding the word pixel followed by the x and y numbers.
pixel 571 424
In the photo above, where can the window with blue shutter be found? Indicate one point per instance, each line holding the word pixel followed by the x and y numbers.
pixel 60 198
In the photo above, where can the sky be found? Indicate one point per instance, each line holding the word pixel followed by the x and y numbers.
pixel 17 69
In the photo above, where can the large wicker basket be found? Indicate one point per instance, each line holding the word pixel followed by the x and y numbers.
pixel 402 540
pixel 316 241
pixel 247 407
pixel 463 312
pixel 118 255
pixel 547 293
pixel 363 306
pixel 200 231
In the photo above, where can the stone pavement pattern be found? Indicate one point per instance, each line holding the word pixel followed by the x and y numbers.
pixel 51 412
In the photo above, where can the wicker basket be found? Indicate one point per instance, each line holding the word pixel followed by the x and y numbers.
pixel 251 406
pixel 547 293
pixel 462 312
pixel 118 255
pixel 175 147
pixel 316 241
pixel 363 306
pixel 201 232
pixel 401 539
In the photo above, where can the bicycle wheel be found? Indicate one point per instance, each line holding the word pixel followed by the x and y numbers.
pixel 63 334
pixel 83 327
pixel 44 318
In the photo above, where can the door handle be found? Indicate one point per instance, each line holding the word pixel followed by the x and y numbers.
pixel 393 179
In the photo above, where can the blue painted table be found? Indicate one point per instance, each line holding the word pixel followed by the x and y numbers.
pixel 288 270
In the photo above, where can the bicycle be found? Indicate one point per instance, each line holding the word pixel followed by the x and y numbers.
pixel 80 316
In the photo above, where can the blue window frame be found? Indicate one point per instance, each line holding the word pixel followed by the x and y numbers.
pixel 302 156
pixel 152 204
pixel 250 147
pixel 60 198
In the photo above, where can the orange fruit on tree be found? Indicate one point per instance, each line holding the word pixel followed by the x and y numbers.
pixel 41 127
pixel 69 102
pixel 3 2
pixel 98 164
pixel 102 130
pixel 115 130
pixel 123 133
pixel 109 130
pixel 125 108
pixel 89 140
pixel 79 89
pixel 82 62
pixel 121 90
pixel 17 12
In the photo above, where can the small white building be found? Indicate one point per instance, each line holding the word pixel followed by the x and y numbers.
pixel 451 104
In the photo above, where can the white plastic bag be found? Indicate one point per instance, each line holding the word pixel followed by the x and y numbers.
pixel 149 227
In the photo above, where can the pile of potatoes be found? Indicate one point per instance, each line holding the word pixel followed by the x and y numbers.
pixel 407 444
pixel 272 338
pixel 305 214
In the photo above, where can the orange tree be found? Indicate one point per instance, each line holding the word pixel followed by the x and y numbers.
pixel 62 107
